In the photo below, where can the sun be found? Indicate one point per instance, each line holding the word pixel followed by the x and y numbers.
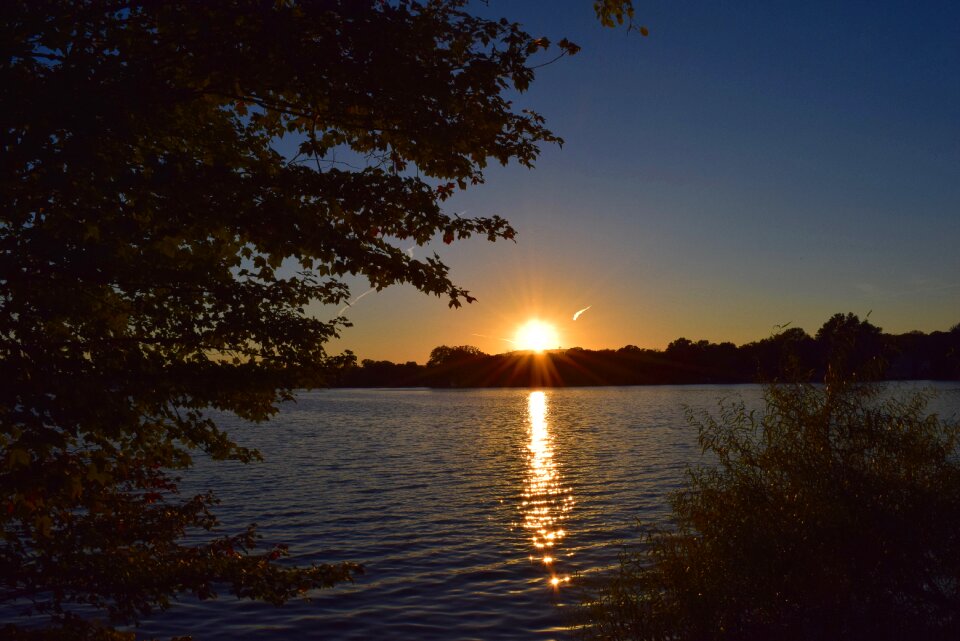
pixel 536 336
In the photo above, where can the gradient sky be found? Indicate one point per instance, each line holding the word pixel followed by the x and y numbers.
pixel 748 165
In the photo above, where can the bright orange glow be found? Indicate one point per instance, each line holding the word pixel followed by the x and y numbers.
pixel 547 500
pixel 536 335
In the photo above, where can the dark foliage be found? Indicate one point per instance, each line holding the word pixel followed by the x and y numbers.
pixel 834 514
pixel 157 255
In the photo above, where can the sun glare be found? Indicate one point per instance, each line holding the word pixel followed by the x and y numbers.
pixel 536 336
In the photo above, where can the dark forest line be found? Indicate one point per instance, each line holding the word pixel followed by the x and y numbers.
pixel 844 341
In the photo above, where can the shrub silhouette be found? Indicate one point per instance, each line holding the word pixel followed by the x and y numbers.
pixel 834 514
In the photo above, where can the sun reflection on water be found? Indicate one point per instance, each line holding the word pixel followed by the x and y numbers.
pixel 546 501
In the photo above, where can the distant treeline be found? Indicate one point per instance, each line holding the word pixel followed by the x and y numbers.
pixel 843 341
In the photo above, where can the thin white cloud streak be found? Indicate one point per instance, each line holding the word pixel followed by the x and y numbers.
pixel 354 301
pixel 577 315
pixel 408 251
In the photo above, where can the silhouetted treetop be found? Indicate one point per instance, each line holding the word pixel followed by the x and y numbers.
pixel 444 355
pixel 854 345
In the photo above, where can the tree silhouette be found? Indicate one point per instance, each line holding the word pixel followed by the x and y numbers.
pixel 444 355
pixel 157 255
pixel 854 346
pixel 789 355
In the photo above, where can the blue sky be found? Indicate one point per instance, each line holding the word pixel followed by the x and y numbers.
pixel 748 164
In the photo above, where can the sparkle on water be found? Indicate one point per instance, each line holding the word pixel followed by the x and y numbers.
pixel 546 500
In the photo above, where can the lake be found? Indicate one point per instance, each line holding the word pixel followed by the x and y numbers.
pixel 478 514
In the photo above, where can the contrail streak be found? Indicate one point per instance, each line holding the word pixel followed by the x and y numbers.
pixel 408 251
pixel 354 301
pixel 577 315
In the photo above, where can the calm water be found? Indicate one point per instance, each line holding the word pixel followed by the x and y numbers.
pixel 477 513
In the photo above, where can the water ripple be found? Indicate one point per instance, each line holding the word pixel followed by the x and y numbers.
pixel 444 496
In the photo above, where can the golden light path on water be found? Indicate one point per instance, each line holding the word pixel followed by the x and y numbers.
pixel 546 501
